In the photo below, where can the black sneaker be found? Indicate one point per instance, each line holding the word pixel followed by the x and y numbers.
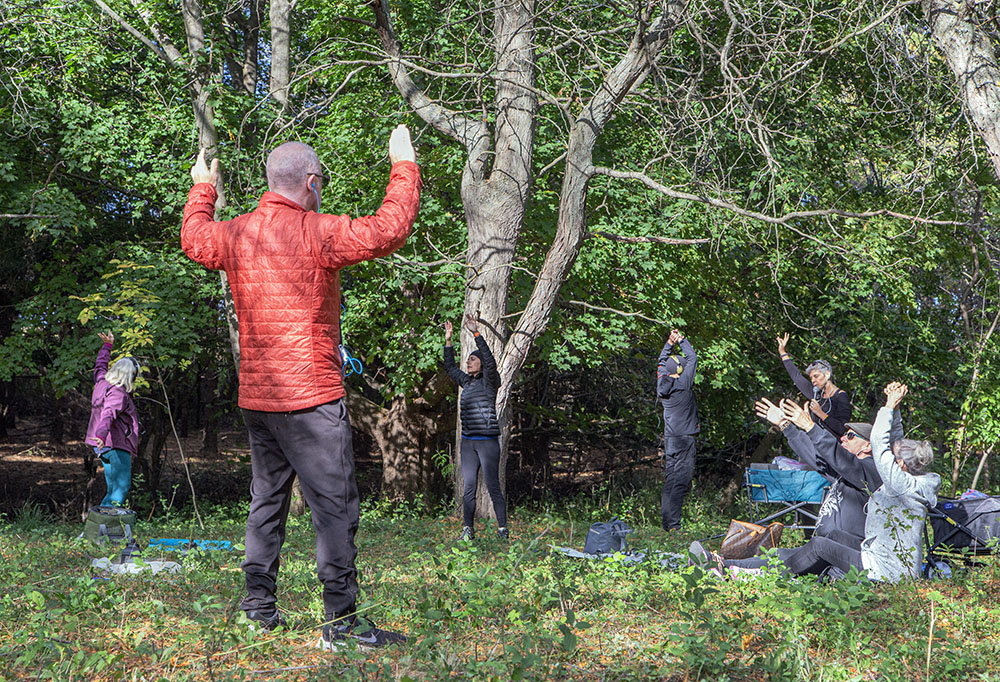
pixel 266 620
pixel 362 631
pixel 467 535
pixel 503 533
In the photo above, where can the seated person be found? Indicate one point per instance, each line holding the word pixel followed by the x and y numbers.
pixel 896 510
pixel 830 404
pixel 846 463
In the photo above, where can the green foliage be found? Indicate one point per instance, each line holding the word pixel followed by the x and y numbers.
pixel 486 610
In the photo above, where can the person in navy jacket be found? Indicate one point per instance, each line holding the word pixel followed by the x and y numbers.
pixel 674 387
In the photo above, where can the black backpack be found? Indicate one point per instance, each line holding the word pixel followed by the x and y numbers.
pixel 607 538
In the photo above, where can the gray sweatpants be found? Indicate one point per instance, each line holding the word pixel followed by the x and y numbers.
pixel 314 443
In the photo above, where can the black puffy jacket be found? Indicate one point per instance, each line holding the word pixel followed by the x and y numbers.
pixel 478 401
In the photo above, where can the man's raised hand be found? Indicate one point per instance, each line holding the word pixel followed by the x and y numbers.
pixel 400 146
pixel 447 332
pixel 798 415
pixel 200 172
pixel 769 411
pixel 106 337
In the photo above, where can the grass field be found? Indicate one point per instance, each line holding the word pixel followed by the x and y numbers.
pixel 485 611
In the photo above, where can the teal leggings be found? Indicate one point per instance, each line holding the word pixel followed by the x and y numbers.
pixel 118 474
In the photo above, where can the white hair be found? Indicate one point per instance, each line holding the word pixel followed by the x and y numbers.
pixel 822 366
pixel 123 373
pixel 917 455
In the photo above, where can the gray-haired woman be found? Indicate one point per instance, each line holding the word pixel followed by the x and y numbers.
pixel 114 424
pixel 830 404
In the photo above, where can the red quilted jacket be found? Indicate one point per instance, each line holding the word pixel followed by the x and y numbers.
pixel 283 266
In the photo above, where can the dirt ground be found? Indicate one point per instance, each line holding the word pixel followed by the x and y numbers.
pixel 54 476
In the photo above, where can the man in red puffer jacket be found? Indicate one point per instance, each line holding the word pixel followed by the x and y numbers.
pixel 283 263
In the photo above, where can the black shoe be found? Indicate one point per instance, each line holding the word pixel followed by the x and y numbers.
pixel 503 533
pixel 266 620
pixel 467 535
pixel 362 631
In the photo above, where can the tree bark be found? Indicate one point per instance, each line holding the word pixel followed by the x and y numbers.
pixel 405 436
pixel 971 56
pixel 281 14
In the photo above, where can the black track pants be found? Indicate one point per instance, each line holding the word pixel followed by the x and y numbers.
pixel 679 455
pixel 315 444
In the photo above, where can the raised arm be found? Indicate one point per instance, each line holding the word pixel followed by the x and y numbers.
pixel 859 473
pixel 802 446
pixel 103 355
pixel 199 231
pixel 801 382
pixel 896 430
pixel 456 375
pixel 894 478
pixel 689 361
pixel 489 362
pixel 346 242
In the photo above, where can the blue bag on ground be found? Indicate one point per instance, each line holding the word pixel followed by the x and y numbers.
pixel 607 538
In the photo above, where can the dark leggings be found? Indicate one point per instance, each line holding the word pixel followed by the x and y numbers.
pixel 485 453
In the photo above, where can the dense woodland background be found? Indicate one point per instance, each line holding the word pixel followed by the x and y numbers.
pixel 594 175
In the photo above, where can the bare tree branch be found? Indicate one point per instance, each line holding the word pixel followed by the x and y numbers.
pixel 763 217
pixel 135 32
pixel 621 313
pixel 473 135
pixel 647 240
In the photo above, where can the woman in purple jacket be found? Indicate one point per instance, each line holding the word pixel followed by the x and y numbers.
pixel 114 424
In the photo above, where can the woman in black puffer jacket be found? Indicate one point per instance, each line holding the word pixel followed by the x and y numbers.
pixel 480 428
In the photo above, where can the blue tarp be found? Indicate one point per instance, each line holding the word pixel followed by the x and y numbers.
pixel 168 544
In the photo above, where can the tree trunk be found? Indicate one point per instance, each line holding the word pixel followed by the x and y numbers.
pixel 971 56
pixel 405 437
pixel 502 181
pixel 281 13
pixel 210 413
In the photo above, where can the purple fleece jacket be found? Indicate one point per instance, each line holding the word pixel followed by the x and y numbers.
pixel 113 417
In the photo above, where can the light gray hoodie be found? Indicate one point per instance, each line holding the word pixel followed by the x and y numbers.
pixel 893 545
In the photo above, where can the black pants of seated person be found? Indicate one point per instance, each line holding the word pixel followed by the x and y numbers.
pixel 812 556
pixel 823 552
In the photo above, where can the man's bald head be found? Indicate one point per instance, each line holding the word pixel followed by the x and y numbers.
pixel 288 165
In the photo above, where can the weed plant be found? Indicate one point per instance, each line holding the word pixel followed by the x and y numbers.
pixel 486 610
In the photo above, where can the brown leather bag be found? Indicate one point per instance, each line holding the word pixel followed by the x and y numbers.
pixel 743 539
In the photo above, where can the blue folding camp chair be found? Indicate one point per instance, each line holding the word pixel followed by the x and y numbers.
pixel 794 490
